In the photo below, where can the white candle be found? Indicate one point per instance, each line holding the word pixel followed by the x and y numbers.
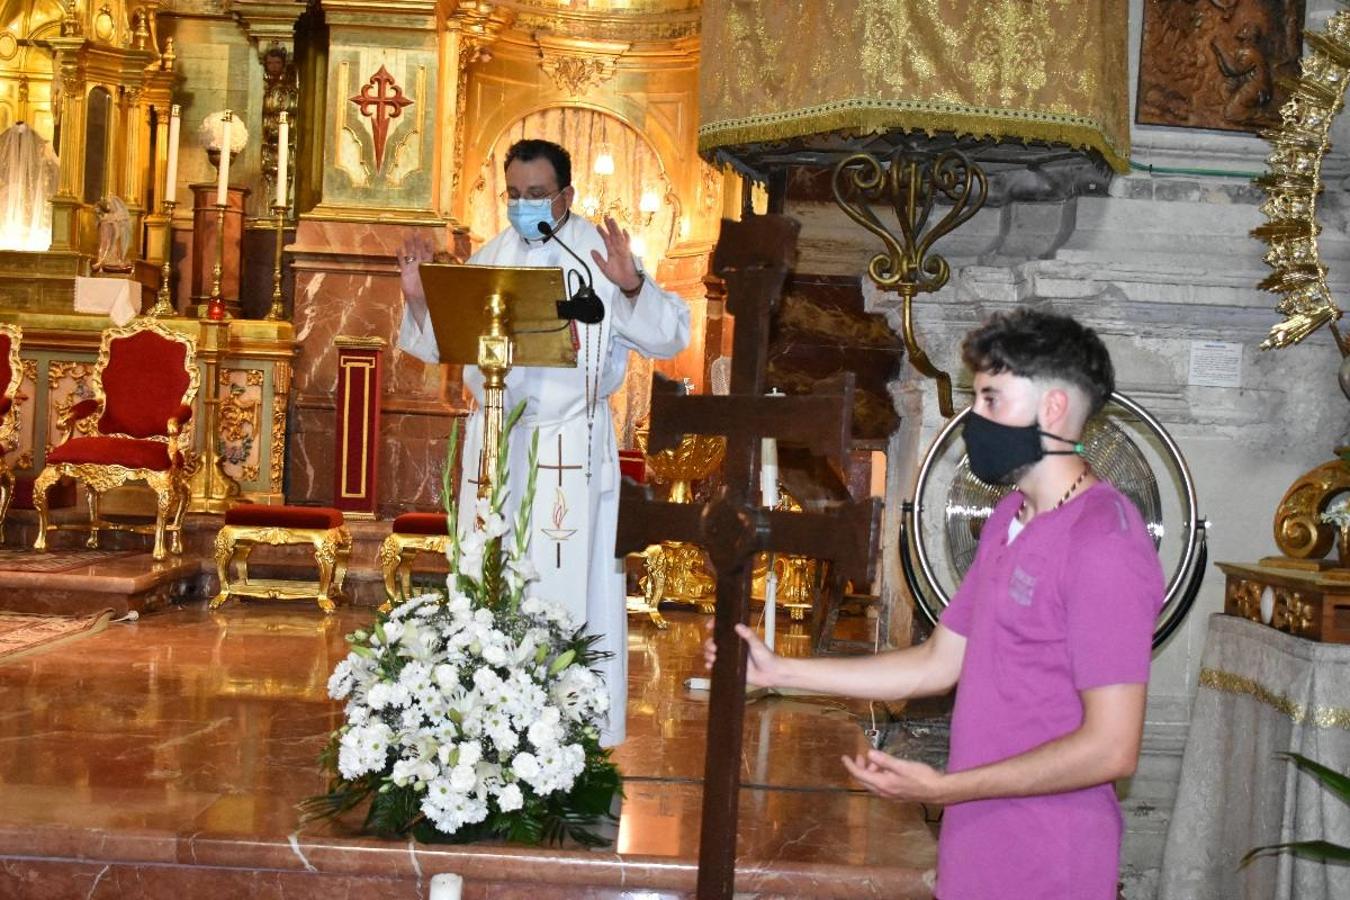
pixel 171 176
pixel 223 182
pixel 283 156
pixel 768 472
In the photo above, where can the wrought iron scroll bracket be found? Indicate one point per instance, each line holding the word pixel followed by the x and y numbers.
pixel 911 184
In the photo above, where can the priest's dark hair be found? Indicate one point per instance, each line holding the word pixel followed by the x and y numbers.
pixel 531 149
pixel 1034 344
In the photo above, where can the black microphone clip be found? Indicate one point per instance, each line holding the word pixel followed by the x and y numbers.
pixel 585 305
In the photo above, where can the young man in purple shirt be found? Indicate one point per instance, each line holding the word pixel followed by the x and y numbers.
pixel 1047 640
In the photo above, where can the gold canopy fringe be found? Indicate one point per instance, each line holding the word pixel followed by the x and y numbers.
pixel 872 117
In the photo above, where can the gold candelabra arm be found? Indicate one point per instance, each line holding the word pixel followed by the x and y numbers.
pixel 215 306
pixel 164 299
pixel 495 351
pixel 278 310
pixel 912 185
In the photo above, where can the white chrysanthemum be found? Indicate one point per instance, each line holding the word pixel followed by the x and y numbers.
pixel 542 734
pixel 495 655
pixel 341 682
pixel 462 778
pixel 363 749
pixel 509 798
pixel 470 752
pixel 525 765
pixel 386 694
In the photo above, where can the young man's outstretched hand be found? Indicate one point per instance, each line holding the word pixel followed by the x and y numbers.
pixel 764 668
pixel 882 774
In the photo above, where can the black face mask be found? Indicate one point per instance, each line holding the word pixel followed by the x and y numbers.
pixel 997 452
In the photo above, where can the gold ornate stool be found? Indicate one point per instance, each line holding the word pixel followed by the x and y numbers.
pixel 675 570
pixel 413 533
pixel 247 525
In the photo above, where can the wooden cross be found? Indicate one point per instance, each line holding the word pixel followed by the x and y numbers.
pixel 753 258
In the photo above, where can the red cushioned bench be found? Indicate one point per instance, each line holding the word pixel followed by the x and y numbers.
pixel 249 524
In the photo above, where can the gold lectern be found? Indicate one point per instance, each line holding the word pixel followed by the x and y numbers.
pixel 496 317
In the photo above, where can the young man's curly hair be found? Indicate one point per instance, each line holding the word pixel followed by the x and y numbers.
pixel 1041 345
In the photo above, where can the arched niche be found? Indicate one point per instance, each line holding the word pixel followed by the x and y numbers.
pixel 638 193
pixel 97 129
pixel 661 134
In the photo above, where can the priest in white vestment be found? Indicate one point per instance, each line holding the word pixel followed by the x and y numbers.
pixel 575 516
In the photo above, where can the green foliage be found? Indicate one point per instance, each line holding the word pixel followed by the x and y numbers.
pixel 1338 783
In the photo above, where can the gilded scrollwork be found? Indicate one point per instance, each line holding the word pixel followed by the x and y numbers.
pixel 240 422
pixel 1293 182
pixel 1299 531
pixel 575 75
pixel 68 383
pixel 332 548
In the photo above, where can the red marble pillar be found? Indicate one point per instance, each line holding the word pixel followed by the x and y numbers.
pixel 347 283
pixel 206 245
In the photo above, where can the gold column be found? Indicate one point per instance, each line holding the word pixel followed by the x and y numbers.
pixel 494 360
pixel 66 203
pixel 212 489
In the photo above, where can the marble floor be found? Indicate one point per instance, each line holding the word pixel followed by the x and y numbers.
pixel 167 755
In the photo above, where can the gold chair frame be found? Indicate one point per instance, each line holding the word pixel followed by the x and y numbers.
pixel 9 423
pixel 396 556
pixel 171 486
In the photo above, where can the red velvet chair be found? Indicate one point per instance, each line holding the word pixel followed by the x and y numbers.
pixel 144 385
pixel 11 376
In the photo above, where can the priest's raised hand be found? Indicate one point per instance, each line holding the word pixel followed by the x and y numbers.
pixel 618 265
pixel 417 249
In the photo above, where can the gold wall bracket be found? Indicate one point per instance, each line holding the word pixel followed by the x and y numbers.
pixel 912 184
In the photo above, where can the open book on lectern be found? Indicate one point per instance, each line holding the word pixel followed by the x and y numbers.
pixel 457 298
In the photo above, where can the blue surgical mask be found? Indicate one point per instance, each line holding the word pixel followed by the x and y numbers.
pixel 526 214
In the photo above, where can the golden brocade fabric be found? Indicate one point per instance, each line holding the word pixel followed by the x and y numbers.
pixel 1044 70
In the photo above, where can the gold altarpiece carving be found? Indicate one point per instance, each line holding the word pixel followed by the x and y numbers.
pixel 399 104
pixel 96 74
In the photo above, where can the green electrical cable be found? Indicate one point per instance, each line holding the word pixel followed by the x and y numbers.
pixel 1173 170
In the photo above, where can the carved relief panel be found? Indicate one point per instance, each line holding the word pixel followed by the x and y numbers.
pixel 241 410
pixel 68 382
pixel 20 459
pixel 1217 63
pixel 381 129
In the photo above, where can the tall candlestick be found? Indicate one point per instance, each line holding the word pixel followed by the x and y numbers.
pixel 223 182
pixel 164 299
pixel 171 176
pixel 283 156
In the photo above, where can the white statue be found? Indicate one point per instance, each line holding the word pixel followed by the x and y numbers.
pixel 114 235
pixel 28 177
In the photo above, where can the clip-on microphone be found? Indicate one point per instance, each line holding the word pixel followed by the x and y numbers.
pixel 585 306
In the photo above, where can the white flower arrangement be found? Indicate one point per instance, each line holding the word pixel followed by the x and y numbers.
pixel 212 127
pixel 473 713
